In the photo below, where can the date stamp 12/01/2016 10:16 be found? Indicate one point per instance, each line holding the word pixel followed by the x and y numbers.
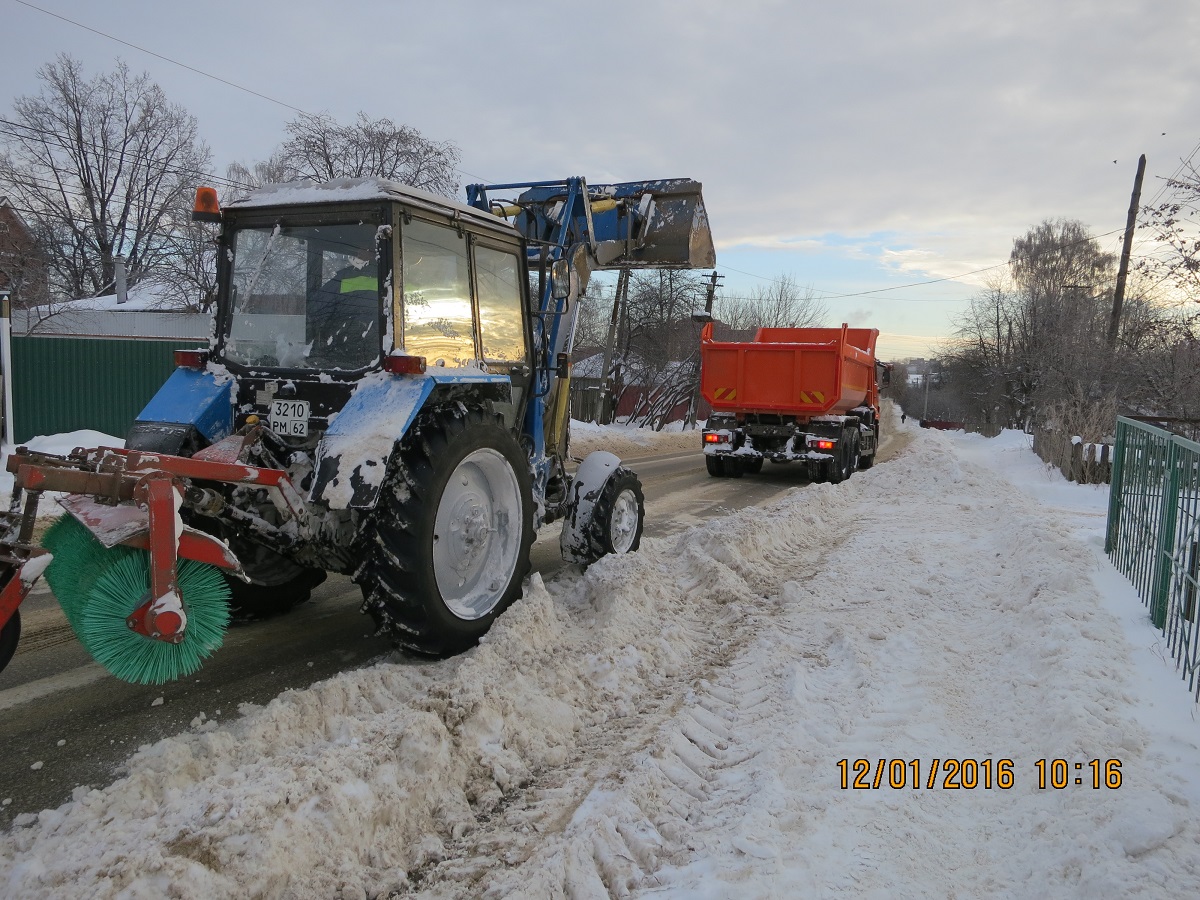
pixel 969 774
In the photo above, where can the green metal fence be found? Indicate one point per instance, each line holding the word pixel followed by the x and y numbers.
pixel 1153 534
pixel 65 384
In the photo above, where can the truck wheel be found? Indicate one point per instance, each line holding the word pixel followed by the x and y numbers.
pixel 844 464
pixel 448 545
pixel 865 462
pixel 752 466
pixel 9 635
pixel 715 466
pixel 854 451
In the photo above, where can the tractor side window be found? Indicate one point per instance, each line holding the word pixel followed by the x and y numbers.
pixel 437 294
pixel 498 287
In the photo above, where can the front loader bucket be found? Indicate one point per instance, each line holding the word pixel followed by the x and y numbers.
pixel 675 233
pixel 634 224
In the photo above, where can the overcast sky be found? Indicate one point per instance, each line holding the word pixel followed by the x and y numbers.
pixel 858 146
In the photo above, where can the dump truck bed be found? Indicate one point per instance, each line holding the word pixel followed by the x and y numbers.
pixel 791 371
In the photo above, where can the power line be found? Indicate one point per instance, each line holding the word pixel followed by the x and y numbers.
pixel 183 65
pixel 173 62
pixel 824 295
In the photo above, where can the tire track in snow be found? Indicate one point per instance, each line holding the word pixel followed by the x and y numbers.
pixel 665 757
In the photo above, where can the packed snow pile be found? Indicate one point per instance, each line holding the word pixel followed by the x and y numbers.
pixel 671 723
pixel 629 440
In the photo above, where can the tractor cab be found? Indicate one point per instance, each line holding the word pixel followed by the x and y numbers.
pixel 323 285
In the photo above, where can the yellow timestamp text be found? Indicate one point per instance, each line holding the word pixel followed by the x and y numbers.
pixel 954 774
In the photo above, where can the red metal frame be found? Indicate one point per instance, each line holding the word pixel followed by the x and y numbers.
pixel 154 482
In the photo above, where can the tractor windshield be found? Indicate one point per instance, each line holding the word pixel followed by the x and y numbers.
pixel 304 297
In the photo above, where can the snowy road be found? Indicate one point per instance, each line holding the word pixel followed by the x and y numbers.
pixel 669 724
pixel 53 691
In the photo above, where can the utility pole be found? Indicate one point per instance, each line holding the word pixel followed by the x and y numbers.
pixel 6 351
pixel 694 407
pixel 1123 270
pixel 928 376
pixel 606 387
pixel 713 283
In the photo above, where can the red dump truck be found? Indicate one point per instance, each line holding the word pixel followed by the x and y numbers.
pixel 805 395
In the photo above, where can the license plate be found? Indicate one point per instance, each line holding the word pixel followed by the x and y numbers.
pixel 289 417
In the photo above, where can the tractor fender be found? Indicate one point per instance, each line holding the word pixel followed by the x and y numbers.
pixel 591 476
pixel 202 399
pixel 353 454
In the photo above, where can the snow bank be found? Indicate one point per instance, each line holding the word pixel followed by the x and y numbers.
pixel 625 440
pixel 670 723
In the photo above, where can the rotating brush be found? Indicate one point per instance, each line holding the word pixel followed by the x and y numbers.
pixel 99 587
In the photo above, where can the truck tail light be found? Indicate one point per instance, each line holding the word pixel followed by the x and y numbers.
pixel 711 437
pixel 824 444
pixel 191 359
pixel 402 364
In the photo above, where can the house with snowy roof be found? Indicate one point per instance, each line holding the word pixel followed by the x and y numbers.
pixel 23 270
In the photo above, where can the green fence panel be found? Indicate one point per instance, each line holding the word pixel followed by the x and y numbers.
pixel 1153 532
pixel 65 384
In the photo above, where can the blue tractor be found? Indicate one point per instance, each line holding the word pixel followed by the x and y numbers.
pixel 385 396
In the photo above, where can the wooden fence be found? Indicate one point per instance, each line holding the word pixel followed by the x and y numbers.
pixel 1080 462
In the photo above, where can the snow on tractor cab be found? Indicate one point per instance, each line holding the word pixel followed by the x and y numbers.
pixel 385 397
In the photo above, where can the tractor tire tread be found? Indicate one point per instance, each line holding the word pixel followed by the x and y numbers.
pixel 392 572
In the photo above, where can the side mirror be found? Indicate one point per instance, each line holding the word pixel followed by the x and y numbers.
pixel 560 279
pixel 563 365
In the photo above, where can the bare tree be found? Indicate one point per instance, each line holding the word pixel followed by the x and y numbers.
pixel 1174 226
pixel 102 168
pixel 784 304
pixel 320 148
pixel 1031 348
pixel 274 170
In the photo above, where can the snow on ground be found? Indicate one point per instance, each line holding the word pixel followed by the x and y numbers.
pixel 670 723
pixel 628 440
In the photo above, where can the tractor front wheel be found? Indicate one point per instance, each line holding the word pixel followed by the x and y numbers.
pixel 447 548
pixel 251 601
pixel 276 583
pixel 10 634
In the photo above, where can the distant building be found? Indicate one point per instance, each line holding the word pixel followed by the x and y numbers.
pixel 23 270
pixel 147 313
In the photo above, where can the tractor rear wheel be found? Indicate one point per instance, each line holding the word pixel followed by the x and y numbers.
pixel 447 547
pixel 752 466
pixel 715 466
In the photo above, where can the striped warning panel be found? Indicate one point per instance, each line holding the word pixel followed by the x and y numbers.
pixel 726 394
